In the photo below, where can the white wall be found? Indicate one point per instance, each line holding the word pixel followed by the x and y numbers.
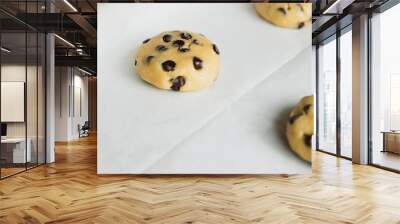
pixel 70 83
pixel 79 117
pixel 62 98
pixel 12 73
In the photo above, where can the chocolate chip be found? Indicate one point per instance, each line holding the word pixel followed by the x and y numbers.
pixel 177 83
pixel 168 65
pixel 307 108
pixel 197 63
pixel 178 43
pixel 282 10
pixel 195 41
pixel 307 140
pixel 186 36
pixel 293 118
pixel 148 59
pixel 215 49
pixel 301 7
pixel 135 62
pixel 145 41
pixel 167 38
pixel 183 50
pixel 301 25
pixel 161 48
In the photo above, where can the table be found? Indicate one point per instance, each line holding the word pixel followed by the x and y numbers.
pixel 391 141
pixel 13 150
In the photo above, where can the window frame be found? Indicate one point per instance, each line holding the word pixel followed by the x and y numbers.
pixel 334 37
pixel 27 29
pixel 379 10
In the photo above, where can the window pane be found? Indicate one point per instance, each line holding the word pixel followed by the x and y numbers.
pixel 31 100
pixel 41 98
pixel 386 89
pixel 346 94
pixel 14 153
pixel 327 97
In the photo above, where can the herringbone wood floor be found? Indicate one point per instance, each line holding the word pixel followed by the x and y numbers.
pixel 69 191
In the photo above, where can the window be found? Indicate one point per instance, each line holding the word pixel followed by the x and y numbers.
pixel 327 97
pixel 385 89
pixel 22 78
pixel 346 94
pixel 333 137
pixel 394 101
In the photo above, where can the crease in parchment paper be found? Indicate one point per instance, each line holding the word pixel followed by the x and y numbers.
pixel 219 111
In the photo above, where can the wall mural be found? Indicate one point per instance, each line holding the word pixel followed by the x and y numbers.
pixel 205 88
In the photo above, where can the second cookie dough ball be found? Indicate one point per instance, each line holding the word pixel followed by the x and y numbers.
pixel 178 60
pixel 300 128
pixel 289 15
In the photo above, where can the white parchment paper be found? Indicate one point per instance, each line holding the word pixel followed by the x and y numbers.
pixel 142 129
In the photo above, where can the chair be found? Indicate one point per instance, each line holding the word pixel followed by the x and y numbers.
pixel 84 130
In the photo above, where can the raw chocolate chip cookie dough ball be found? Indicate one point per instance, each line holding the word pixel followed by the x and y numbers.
pixel 178 60
pixel 300 127
pixel 289 15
